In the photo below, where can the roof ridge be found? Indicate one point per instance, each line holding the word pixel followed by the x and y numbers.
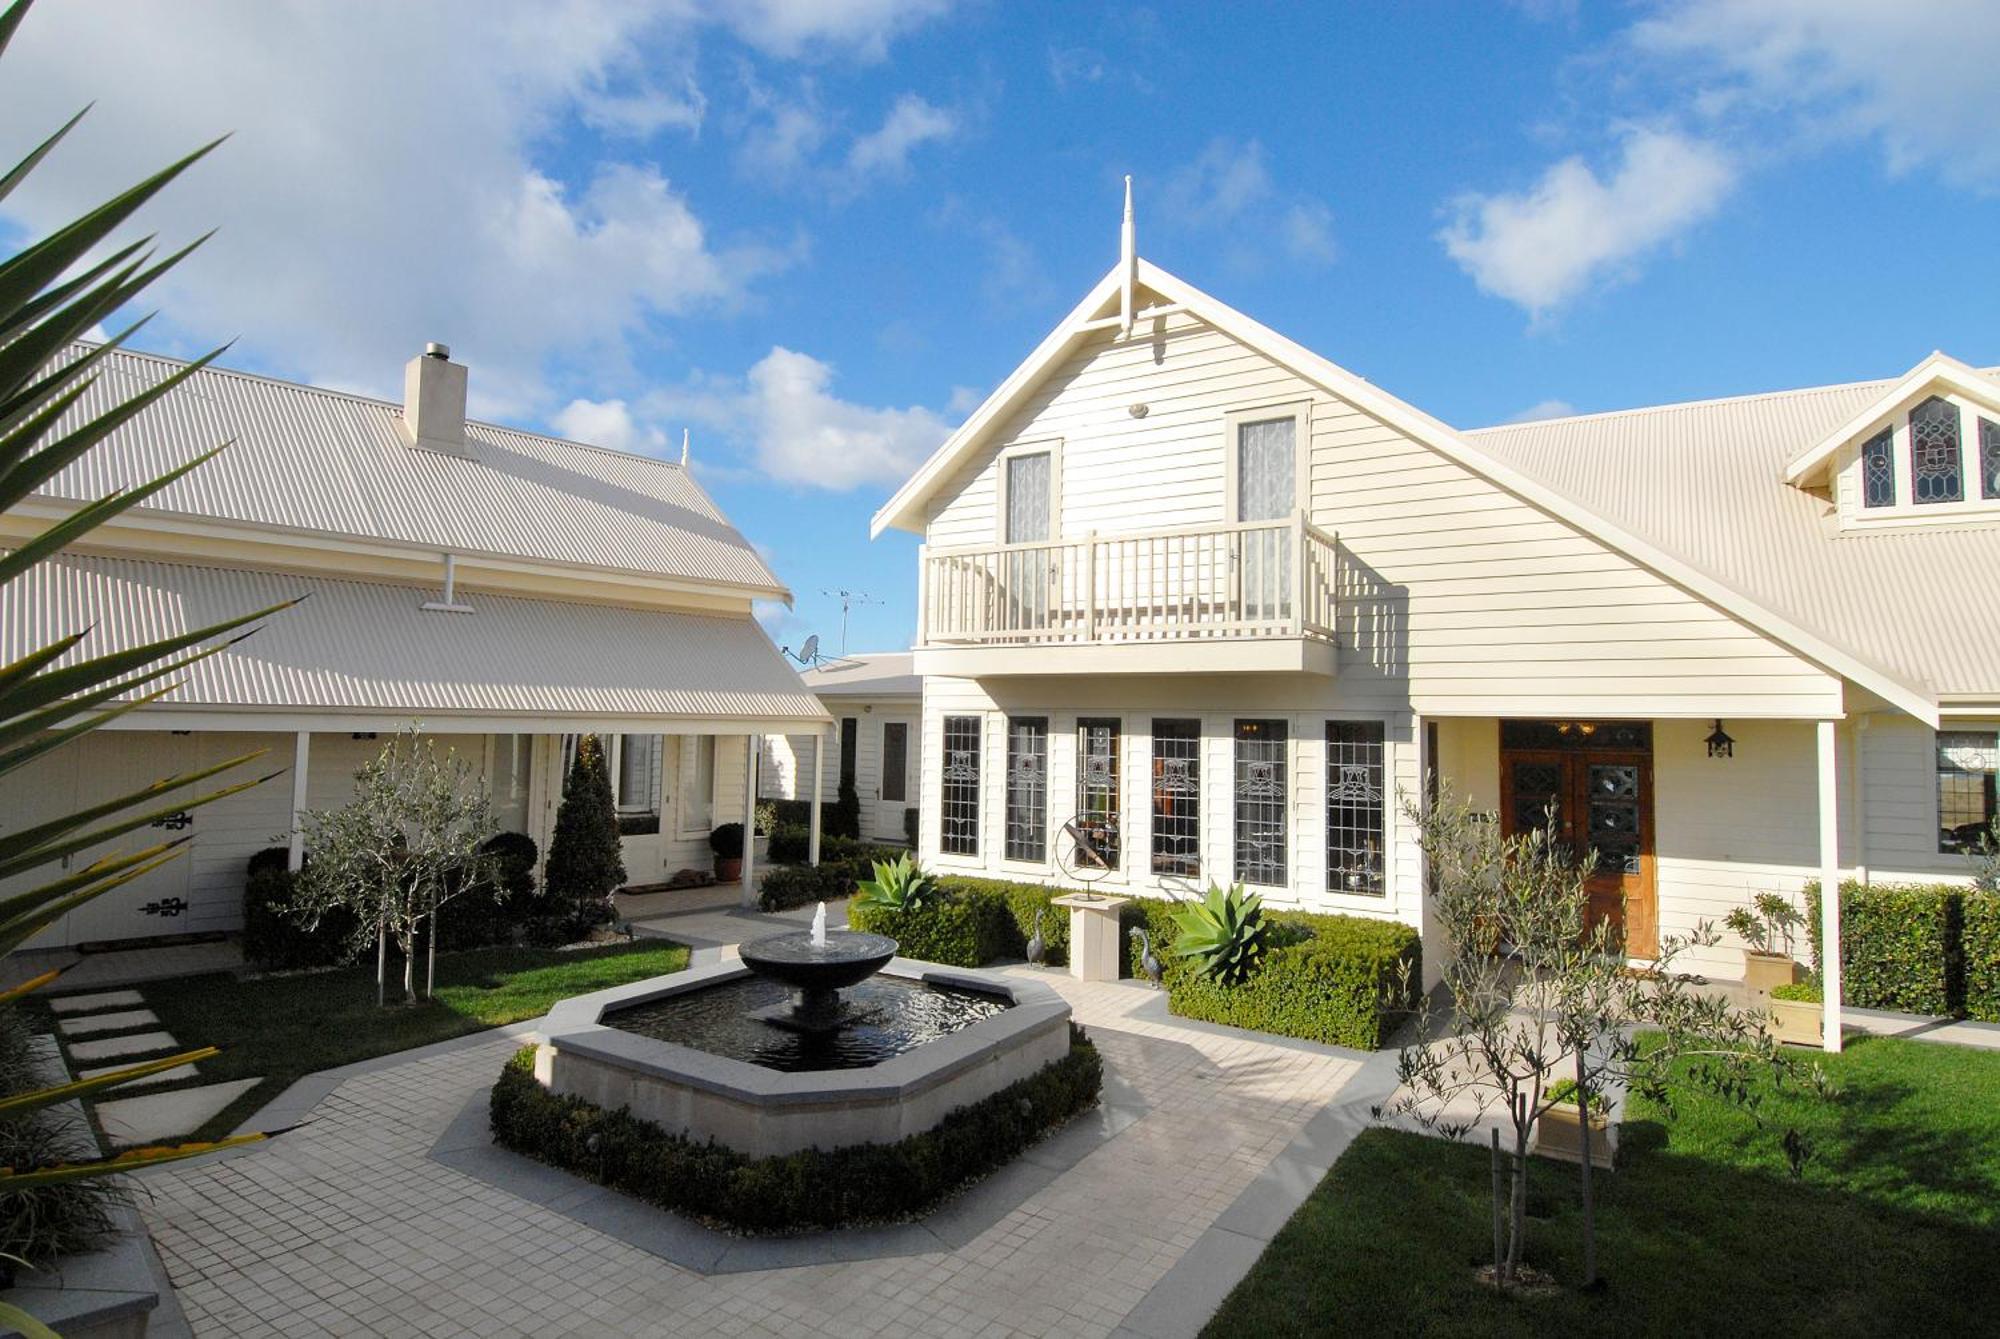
pixel 1688 404
pixel 335 392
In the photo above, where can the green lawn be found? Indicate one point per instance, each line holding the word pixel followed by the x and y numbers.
pixel 1894 1228
pixel 283 1028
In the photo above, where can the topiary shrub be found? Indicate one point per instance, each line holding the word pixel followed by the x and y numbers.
pixel 586 859
pixel 1900 945
pixel 271 938
pixel 863 1183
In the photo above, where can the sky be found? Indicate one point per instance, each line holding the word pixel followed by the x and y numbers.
pixel 815 233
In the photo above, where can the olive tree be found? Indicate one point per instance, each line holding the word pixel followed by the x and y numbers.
pixel 406 843
pixel 1538 994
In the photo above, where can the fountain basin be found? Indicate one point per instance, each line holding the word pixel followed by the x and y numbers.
pixel 763 1112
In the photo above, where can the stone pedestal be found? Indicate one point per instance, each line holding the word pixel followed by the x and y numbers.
pixel 1096 953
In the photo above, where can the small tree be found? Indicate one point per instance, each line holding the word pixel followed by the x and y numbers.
pixel 1539 994
pixel 406 844
pixel 586 859
pixel 1985 858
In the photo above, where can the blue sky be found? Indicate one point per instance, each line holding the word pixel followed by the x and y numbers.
pixel 815 232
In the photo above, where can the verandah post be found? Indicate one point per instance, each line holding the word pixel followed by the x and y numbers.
pixel 1829 887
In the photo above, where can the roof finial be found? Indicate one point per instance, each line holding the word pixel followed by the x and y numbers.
pixel 684 448
pixel 1128 263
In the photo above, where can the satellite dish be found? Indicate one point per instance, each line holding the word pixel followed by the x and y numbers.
pixel 810 651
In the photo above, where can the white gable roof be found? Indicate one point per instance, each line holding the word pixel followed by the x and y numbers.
pixel 1939 371
pixel 907 508
pixel 304 459
pixel 878 674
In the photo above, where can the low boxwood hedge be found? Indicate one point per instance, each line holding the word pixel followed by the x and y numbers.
pixel 1901 945
pixel 958 929
pixel 818 1188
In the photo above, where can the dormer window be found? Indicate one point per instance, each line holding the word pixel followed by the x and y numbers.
pixel 1936 474
pixel 1989 459
pixel 1878 469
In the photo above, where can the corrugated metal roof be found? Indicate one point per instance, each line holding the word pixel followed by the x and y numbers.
pixel 371 647
pixel 879 674
pixel 1705 481
pixel 304 458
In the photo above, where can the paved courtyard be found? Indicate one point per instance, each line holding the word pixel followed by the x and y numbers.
pixel 350 1226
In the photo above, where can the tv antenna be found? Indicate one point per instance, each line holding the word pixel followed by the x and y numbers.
pixel 848 599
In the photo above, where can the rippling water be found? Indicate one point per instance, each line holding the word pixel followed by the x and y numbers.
pixel 890 1016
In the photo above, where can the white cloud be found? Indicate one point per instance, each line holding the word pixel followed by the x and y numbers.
pixel 817 29
pixel 1545 246
pixel 963 400
pixel 608 423
pixel 785 418
pixel 1918 76
pixel 885 152
pixel 1540 410
pixel 1228 188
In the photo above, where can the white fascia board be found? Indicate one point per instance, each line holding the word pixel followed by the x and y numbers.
pixel 1940 369
pixel 289 720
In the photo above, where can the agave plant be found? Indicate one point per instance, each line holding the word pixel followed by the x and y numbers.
pixel 50 295
pixel 899 885
pixel 1225 931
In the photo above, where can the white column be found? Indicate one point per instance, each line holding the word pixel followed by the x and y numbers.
pixel 1829 883
pixel 301 755
pixel 818 794
pixel 749 897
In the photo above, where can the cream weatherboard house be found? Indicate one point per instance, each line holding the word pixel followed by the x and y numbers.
pixel 875 701
pixel 506 590
pixel 1196 596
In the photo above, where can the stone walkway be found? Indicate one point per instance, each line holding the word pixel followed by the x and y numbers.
pixel 349 1226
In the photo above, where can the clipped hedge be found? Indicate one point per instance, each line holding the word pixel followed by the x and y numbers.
pixel 1343 980
pixel 863 1183
pixel 958 930
pixel 1979 926
pixel 1900 945
pixel 791 886
pixel 1019 902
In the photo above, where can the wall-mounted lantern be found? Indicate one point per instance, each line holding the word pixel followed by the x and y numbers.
pixel 1720 745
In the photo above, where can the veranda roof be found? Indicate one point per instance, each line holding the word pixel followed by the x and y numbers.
pixel 368 655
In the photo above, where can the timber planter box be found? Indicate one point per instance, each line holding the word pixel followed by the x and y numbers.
pixel 1798 1022
pixel 1765 972
pixel 1559 1134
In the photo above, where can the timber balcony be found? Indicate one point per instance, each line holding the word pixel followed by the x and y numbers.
pixel 1256 596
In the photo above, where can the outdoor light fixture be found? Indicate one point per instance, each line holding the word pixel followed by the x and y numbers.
pixel 1584 728
pixel 1720 745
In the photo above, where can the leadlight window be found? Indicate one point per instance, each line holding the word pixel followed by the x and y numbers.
pixel 1878 470
pixel 1935 473
pixel 1177 798
pixel 1261 793
pixel 1967 761
pixel 1989 459
pixel 1097 787
pixel 958 791
pixel 1028 788
pixel 1354 807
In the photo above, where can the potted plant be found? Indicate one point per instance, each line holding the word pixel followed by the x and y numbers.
pixel 1798 1013
pixel 1559 1133
pixel 1766 927
pixel 727 843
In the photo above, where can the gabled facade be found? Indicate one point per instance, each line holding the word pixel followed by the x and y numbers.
pixel 506 591
pixel 1218 609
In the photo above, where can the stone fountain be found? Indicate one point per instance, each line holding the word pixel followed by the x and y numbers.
pixel 817 965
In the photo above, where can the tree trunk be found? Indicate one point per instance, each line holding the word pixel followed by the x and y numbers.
pixel 408 943
pixel 431 952
pixel 1589 1208
pixel 1518 1217
pixel 381 963
pixel 1499 1231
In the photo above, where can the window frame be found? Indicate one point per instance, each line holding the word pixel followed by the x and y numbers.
pixel 946 783
pixel 1233 421
pixel 1903 509
pixel 1988 732
pixel 1050 446
pixel 1384 828
pixel 1287 795
pixel 1909 427
pixel 692 749
pixel 848 771
pixel 902 774
pixel 1116 790
pixel 1007 821
pixel 1152 795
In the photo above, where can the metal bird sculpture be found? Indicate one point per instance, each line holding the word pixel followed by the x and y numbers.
pixel 1038 948
pixel 1148 964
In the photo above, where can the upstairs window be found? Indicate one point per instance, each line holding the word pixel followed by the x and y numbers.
pixel 1936 474
pixel 1878 470
pixel 1989 459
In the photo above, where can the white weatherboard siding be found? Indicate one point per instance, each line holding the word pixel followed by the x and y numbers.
pixel 1457 597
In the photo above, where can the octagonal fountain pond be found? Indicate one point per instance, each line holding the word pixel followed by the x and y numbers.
pixel 813 1039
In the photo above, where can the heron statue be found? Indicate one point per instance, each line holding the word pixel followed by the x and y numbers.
pixel 1038 947
pixel 1148 964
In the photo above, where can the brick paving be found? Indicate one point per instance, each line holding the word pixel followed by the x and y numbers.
pixel 347 1227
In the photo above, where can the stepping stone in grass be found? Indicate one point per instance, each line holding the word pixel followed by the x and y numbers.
pixel 174 1075
pixel 118 1022
pixel 162 1117
pixel 103 999
pixel 110 1048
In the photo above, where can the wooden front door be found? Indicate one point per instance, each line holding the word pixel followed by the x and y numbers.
pixel 1598 788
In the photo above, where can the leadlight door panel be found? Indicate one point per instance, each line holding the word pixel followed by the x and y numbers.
pixel 1598 801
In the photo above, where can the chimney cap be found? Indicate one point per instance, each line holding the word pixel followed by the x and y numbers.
pixel 436 350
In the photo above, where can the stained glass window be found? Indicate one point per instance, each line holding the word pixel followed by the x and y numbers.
pixel 1989 458
pixel 958 793
pixel 1354 806
pixel 1967 761
pixel 1177 798
pixel 1614 816
pixel 1878 470
pixel 1935 473
pixel 1097 787
pixel 1028 788
pixel 1262 795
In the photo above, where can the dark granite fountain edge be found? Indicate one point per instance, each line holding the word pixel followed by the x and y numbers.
pixel 467 1147
pixel 573 1027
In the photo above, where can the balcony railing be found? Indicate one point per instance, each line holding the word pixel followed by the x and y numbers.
pixel 1254 579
